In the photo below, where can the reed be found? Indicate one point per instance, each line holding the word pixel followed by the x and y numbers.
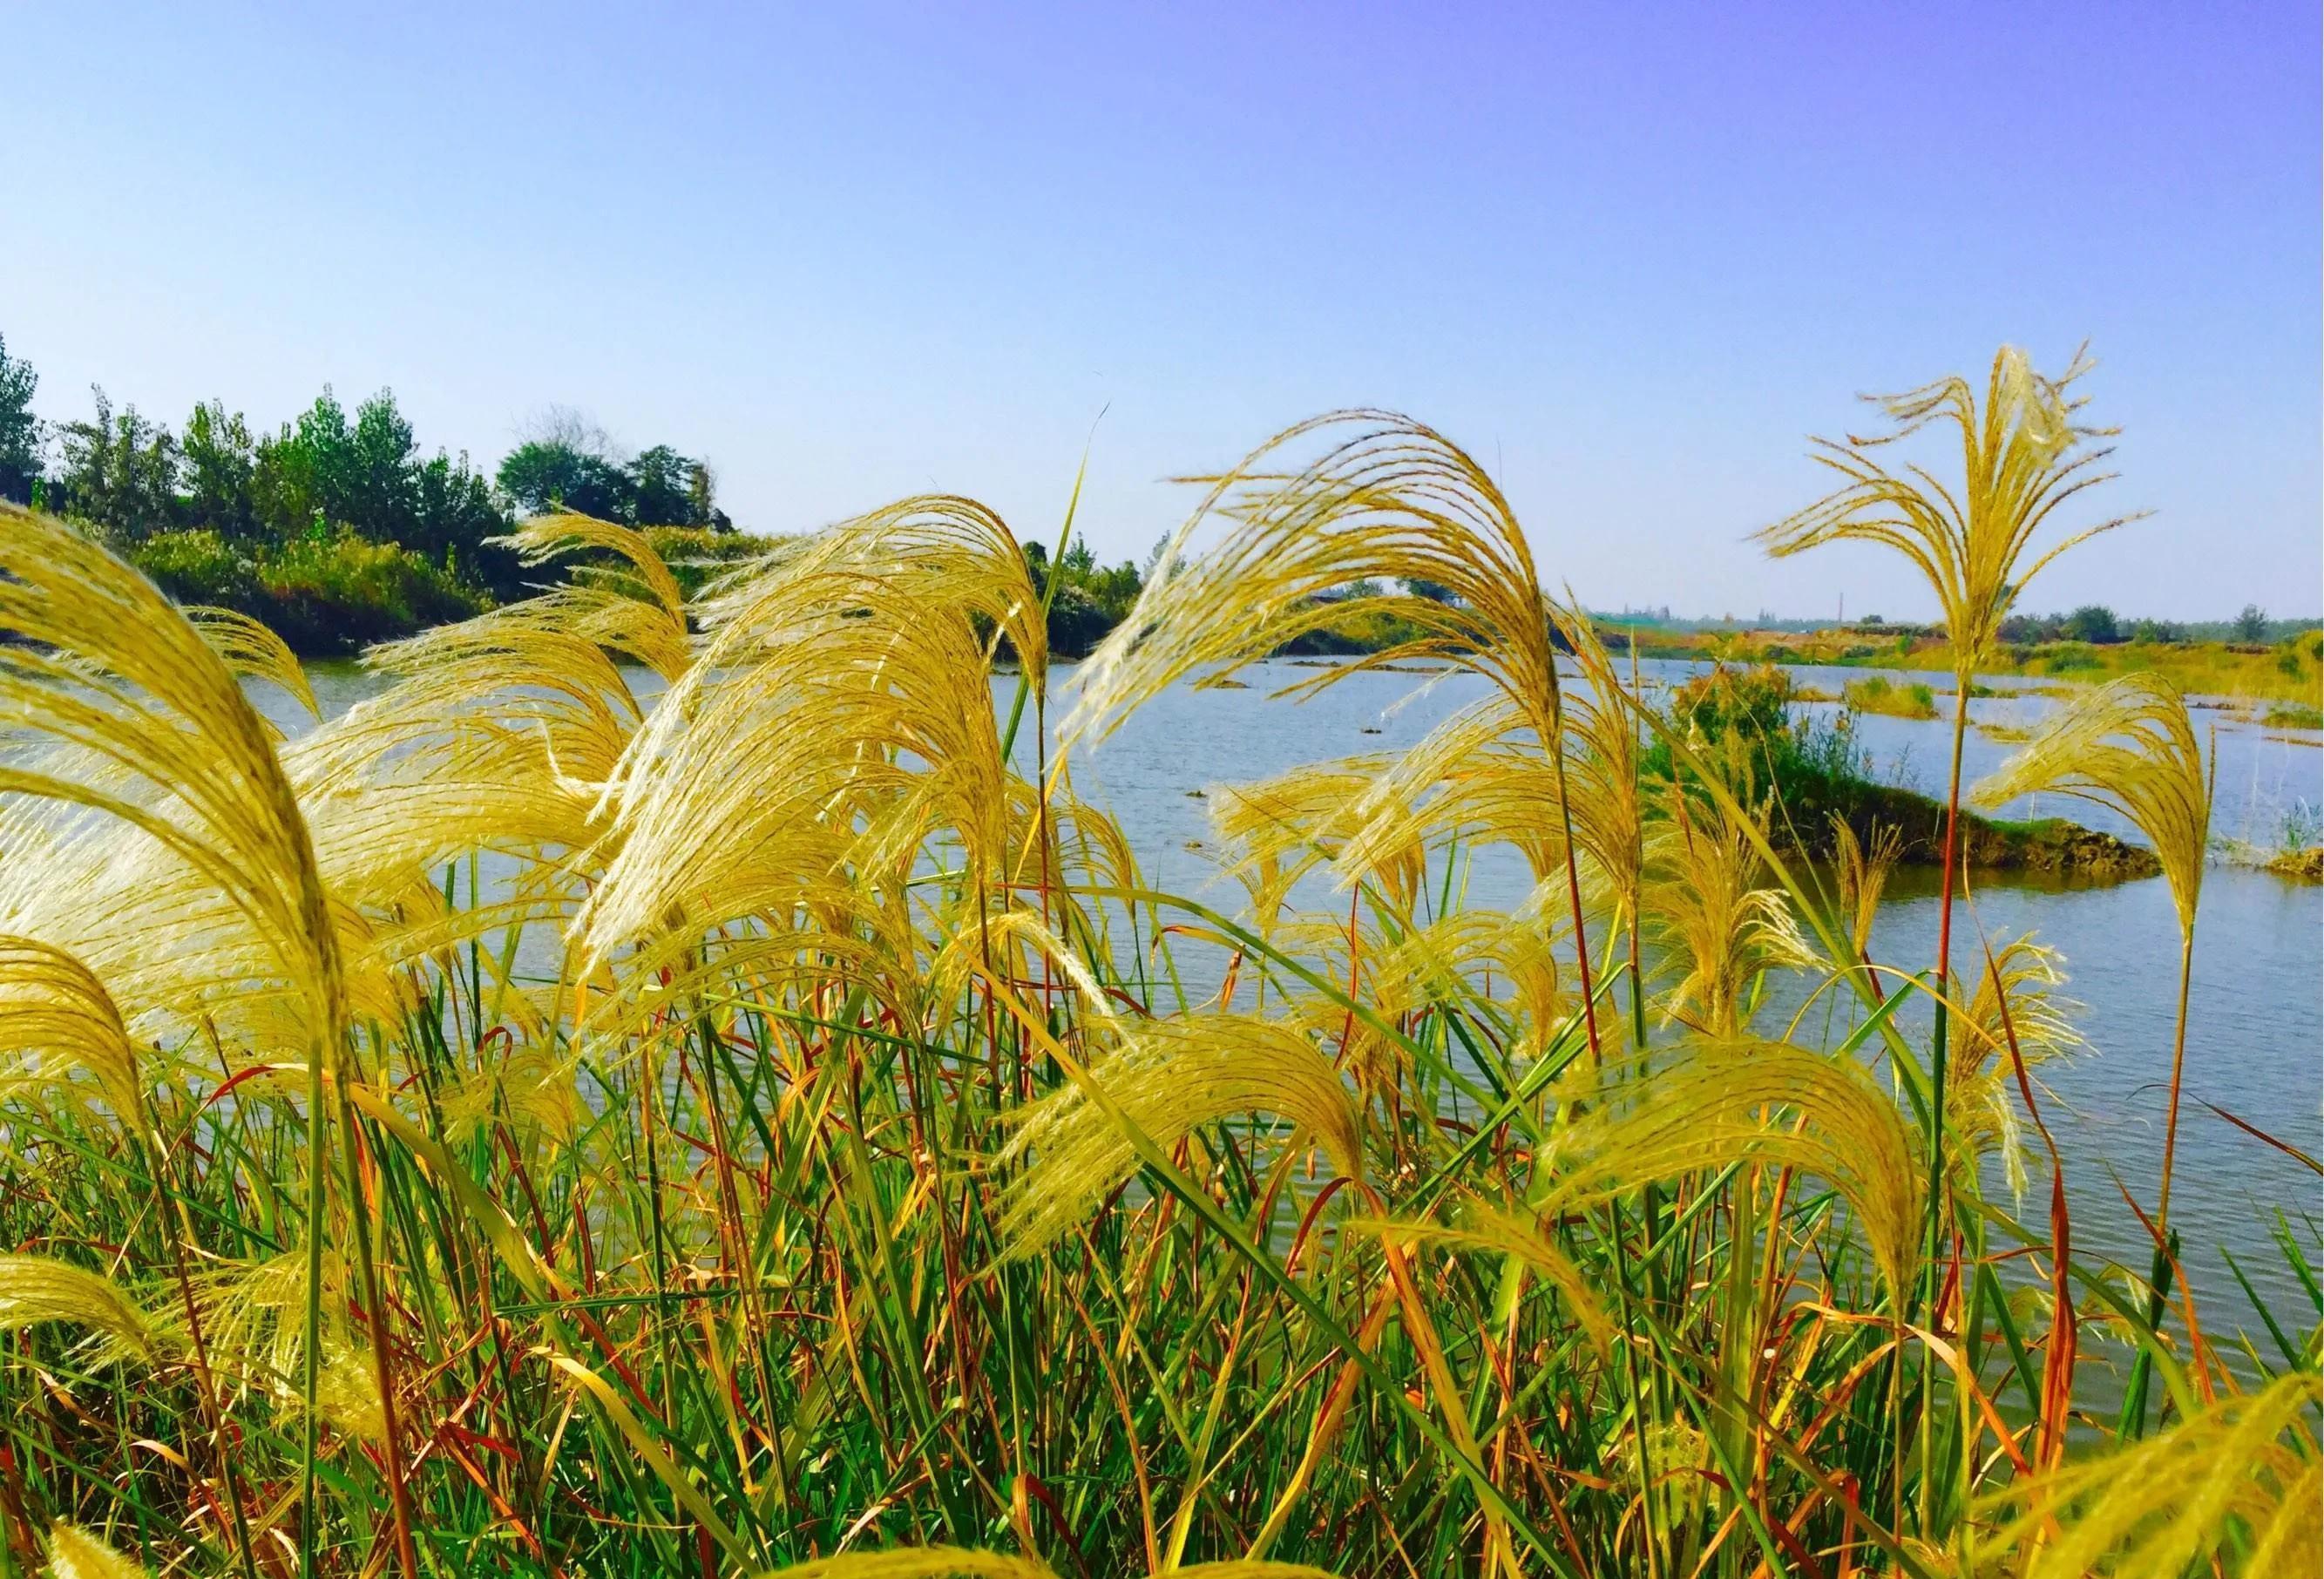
pixel 662 1088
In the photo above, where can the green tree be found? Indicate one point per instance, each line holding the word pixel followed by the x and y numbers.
pixel 301 475
pixel 220 461
pixel 660 489
pixel 2093 623
pixel 121 471
pixel 20 431
pixel 2251 625
pixel 377 492
pixel 455 515
pixel 552 473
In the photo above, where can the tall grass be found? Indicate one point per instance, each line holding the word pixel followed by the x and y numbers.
pixel 526 1126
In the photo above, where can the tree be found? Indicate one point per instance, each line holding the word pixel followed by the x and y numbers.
pixel 300 479
pixel 377 492
pixel 2251 625
pixel 2093 623
pixel 219 463
pixel 20 431
pixel 121 471
pixel 2161 633
pixel 661 489
pixel 701 496
pixel 454 514
pixel 543 474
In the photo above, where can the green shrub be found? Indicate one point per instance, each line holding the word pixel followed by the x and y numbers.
pixel 199 566
pixel 1878 694
pixel 2067 657
pixel 339 593
pixel 1752 703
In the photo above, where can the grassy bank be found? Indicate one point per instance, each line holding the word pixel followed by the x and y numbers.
pixel 332 594
pixel 2289 671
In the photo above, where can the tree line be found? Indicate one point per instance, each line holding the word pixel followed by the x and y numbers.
pixel 335 526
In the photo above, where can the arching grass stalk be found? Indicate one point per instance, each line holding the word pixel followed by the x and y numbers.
pixel 2024 452
pixel 2130 745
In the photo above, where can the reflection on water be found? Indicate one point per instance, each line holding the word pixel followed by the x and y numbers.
pixel 2256 1044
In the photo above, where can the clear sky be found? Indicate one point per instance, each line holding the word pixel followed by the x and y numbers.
pixel 1631 255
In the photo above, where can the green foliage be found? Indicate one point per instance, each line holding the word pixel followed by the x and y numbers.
pixel 1753 705
pixel 339 593
pixel 568 468
pixel 120 472
pixel 1876 693
pixel 1090 599
pixel 20 431
pixel 2251 625
pixel 2068 657
pixel 545 474
pixel 2092 623
pixel 199 566
pixel 328 595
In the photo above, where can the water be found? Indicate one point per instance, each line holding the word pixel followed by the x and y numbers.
pixel 2256 1047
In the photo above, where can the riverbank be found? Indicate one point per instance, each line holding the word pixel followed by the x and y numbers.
pixel 332 594
pixel 2290 672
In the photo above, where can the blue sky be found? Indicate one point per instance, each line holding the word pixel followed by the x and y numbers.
pixel 1629 255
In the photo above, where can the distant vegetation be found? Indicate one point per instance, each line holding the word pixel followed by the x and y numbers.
pixel 2287 667
pixel 335 528
pixel 1876 694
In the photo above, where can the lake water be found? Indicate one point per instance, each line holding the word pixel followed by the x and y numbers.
pixel 2255 1043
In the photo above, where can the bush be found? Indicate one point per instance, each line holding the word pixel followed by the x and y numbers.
pixel 199 566
pixel 2069 656
pixel 339 593
pixel 1877 694
pixel 1754 704
pixel 325 596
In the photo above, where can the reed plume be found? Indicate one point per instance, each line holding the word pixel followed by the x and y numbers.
pixel 1863 875
pixel 2130 745
pixel 1722 1102
pixel 1702 893
pixel 2026 451
pixel 2245 1466
pixel 156 763
pixel 56 1020
pixel 1165 1078
pixel 76 1554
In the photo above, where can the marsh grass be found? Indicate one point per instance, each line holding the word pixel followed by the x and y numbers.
pixel 856 1186
pixel 1878 694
